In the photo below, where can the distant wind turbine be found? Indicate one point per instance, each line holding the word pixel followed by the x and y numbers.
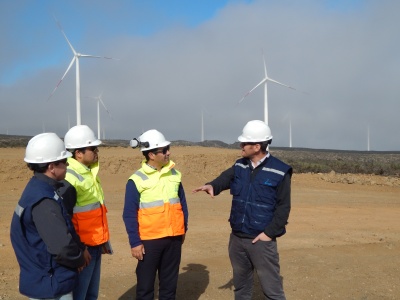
pixel 264 81
pixel 202 123
pixel 368 138
pixel 75 59
pixel 288 116
pixel 99 100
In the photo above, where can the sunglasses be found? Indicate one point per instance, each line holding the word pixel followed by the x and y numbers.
pixel 163 150
pixel 247 143
pixel 91 148
pixel 63 161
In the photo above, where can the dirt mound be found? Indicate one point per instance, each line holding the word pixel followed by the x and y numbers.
pixel 342 241
pixel 362 179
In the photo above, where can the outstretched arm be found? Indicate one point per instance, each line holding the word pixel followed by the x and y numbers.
pixel 208 188
pixel 219 184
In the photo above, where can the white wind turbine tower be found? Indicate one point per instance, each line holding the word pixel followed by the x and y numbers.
pixel 100 100
pixel 75 59
pixel 264 81
pixel 368 138
pixel 202 123
pixel 290 128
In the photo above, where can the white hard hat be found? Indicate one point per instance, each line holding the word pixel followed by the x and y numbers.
pixel 151 139
pixel 44 148
pixel 255 131
pixel 80 136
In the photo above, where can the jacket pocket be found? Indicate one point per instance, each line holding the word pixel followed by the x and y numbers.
pixel 265 191
pixel 236 187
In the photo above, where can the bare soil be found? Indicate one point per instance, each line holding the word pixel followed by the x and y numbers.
pixel 342 241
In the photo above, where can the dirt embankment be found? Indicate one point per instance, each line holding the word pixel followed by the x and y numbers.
pixel 342 241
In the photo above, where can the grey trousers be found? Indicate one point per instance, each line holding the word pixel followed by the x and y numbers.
pixel 261 256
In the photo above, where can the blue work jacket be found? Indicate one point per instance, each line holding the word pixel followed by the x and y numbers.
pixel 40 276
pixel 255 195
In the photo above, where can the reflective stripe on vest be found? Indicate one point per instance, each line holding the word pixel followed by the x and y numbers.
pixel 79 176
pixel 89 207
pixel 242 165
pixel 141 175
pixel 274 171
pixel 19 210
pixel 158 203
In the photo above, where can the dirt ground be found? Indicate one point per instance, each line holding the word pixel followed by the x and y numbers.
pixel 342 241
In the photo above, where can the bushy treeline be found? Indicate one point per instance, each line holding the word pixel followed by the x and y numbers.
pixel 355 162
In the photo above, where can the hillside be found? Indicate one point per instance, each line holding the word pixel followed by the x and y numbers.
pixel 303 160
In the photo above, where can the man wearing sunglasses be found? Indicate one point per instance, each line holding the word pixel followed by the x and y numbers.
pixel 156 217
pixel 86 205
pixel 44 240
pixel 260 186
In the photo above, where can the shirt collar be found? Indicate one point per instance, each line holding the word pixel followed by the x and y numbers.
pixel 255 165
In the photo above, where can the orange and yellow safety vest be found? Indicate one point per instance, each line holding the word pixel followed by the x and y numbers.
pixel 89 218
pixel 160 211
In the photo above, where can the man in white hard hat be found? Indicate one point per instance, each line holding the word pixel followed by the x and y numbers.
pixel 156 217
pixel 260 186
pixel 88 209
pixel 48 250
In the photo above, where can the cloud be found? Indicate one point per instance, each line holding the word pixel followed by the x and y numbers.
pixel 347 60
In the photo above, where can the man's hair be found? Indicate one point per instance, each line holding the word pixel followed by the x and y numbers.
pixel 146 155
pixel 264 146
pixel 38 168
pixel 74 150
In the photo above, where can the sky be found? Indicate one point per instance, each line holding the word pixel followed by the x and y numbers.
pixel 179 61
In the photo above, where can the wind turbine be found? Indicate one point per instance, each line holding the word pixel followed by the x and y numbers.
pixel 264 81
pixel 368 138
pixel 75 60
pixel 288 116
pixel 202 123
pixel 99 100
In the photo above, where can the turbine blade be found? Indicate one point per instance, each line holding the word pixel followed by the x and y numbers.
pixel 65 36
pixel 101 101
pixel 69 67
pixel 249 92
pixel 265 65
pixel 277 82
pixel 95 56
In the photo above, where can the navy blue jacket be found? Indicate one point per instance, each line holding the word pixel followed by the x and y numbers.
pixel 260 196
pixel 41 276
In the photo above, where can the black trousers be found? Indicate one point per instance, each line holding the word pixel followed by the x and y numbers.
pixel 162 256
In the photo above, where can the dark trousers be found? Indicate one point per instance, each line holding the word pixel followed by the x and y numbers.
pixel 162 255
pixel 261 256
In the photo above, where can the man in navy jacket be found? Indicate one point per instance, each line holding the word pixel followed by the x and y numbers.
pixel 47 248
pixel 260 185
